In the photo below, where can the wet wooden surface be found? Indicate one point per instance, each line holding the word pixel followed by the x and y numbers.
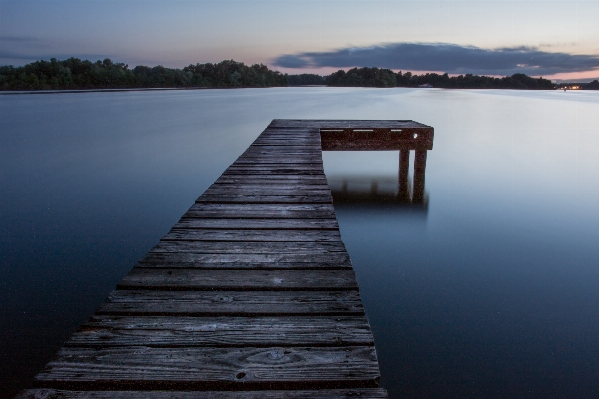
pixel 250 295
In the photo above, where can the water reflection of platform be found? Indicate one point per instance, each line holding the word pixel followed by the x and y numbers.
pixel 360 192
pixel 403 140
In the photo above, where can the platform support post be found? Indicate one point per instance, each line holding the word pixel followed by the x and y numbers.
pixel 419 169
pixel 404 165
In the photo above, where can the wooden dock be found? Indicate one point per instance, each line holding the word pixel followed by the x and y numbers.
pixel 250 295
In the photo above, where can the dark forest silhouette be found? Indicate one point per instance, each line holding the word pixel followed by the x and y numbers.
pixel 376 77
pixel 75 74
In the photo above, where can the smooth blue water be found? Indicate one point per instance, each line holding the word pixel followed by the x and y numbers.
pixel 489 291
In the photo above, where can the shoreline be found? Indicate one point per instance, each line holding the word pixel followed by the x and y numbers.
pixel 18 92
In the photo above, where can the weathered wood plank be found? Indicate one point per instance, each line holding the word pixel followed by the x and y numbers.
pixel 262 211
pixel 283 155
pixel 276 186
pixel 273 170
pixel 272 179
pixel 336 261
pixel 273 141
pixel 289 135
pixel 279 173
pixel 281 151
pixel 232 303
pixel 271 151
pixel 265 199
pixel 253 235
pixel 311 147
pixel 246 248
pixel 272 164
pixel 189 259
pixel 252 160
pixel 228 189
pixel 352 393
pixel 276 197
pixel 275 163
pixel 238 280
pixel 246 224
pixel 165 331
pixel 266 153
pixel 286 140
pixel 292 132
pixel 212 368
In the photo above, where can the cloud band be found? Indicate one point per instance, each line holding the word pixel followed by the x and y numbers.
pixel 445 57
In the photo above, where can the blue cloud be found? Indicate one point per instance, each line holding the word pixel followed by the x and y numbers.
pixel 445 57
pixel 19 39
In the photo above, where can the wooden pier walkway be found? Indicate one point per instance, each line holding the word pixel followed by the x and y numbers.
pixel 250 295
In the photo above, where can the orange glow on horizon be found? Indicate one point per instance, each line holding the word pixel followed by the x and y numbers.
pixel 566 76
pixel 573 76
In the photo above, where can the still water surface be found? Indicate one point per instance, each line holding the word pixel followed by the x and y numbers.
pixel 489 290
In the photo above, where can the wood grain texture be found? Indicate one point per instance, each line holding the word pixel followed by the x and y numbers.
pixel 352 393
pixel 259 224
pixel 190 261
pixel 247 248
pixel 287 165
pixel 165 331
pixel 232 303
pixel 265 199
pixel 277 159
pixel 251 235
pixel 310 145
pixel 271 179
pixel 262 186
pixel 304 146
pixel 210 368
pixel 269 189
pixel 268 260
pixel 279 171
pixel 304 159
pixel 253 189
pixel 262 211
pixel 238 280
pixel 284 151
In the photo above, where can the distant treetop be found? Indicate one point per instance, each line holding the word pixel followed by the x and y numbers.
pixel 375 77
pixel 73 74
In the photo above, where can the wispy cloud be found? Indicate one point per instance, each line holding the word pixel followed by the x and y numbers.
pixel 20 39
pixel 450 58
pixel 18 59
pixel 20 49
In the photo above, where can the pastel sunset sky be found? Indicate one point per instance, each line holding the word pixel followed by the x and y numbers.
pixel 553 39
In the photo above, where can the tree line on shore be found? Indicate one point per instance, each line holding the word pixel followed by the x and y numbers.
pixel 73 74
pixel 377 77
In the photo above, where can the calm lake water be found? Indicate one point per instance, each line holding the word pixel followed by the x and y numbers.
pixel 489 290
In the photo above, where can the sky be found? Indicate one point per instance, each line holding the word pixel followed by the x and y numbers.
pixel 554 39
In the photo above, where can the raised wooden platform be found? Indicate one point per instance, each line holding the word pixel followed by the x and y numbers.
pixel 251 294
